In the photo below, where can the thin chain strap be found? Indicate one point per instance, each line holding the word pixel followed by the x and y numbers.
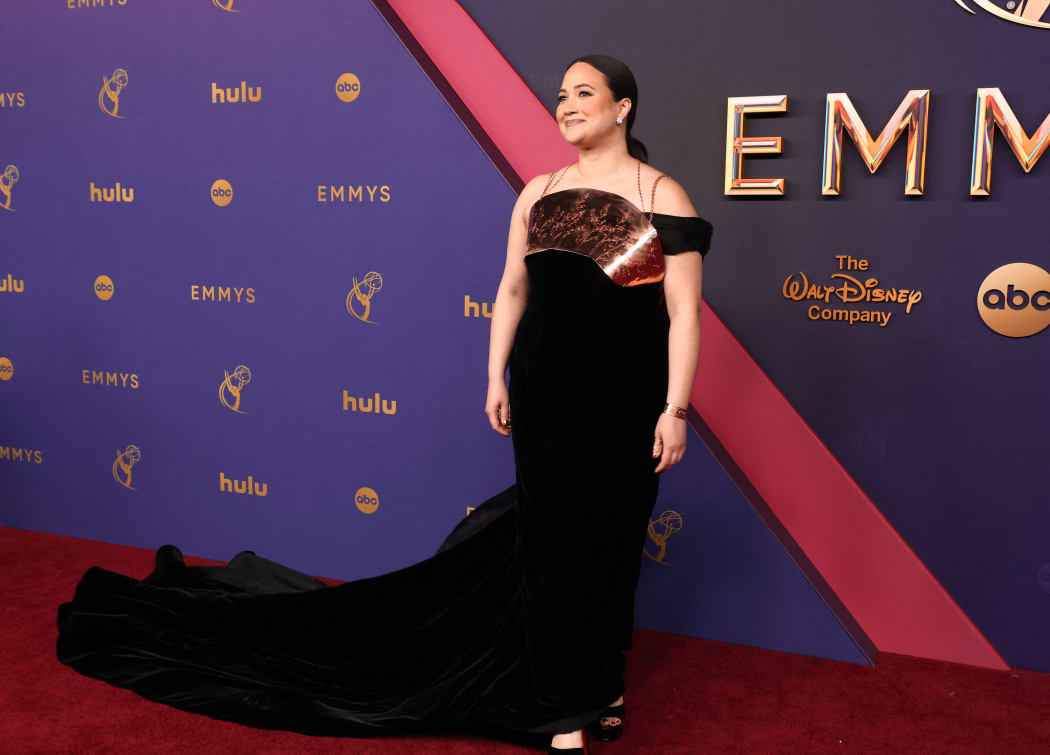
pixel 548 186
pixel 652 200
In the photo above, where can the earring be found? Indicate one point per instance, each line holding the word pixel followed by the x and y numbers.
pixel 619 121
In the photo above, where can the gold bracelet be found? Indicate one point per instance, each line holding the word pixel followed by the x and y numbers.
pixel 674 411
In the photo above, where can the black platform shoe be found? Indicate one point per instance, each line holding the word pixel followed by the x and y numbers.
pixel 609 732
pixel 552 750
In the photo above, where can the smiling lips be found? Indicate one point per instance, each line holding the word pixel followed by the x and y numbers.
pixel 573 122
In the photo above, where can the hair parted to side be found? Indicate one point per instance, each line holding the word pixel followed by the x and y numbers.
pixel 621 81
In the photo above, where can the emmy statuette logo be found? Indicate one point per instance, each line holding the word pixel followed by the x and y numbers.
pixel 359 300
pixel 660 529
pixel 1014 300
pixel 231 387
pixel 109 94
pixel 226 5
pixel 221 192
pixel 872 439
pixel 1043 576
pixel 7 370
pixel 347 87
pixel 1026 12
pixel 367 500
pixel 122 465
pixel 104 287
pixel 7 179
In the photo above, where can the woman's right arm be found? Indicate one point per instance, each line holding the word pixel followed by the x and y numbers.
pixel 511 297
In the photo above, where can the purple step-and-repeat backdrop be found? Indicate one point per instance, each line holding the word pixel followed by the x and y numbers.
pixel 244 257
pixel 248 257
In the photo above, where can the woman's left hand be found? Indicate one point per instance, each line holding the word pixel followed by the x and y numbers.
pixel 669 441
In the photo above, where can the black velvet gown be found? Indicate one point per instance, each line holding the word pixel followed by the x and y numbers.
pixel 519 622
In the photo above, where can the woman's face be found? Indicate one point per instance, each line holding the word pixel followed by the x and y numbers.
pixel 586 111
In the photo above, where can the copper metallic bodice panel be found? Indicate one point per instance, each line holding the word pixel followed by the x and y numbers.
pixel 601 225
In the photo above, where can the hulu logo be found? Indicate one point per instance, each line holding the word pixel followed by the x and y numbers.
pixel 244 487
pixel 476 309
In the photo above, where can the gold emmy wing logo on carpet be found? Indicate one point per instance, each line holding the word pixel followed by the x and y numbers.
pixel 7 370
pixel 660 529
pixel 226 5
pixel 367 500
pixel 28 455
pixel 1027 12
pixel 359 300
pixel 1014 300
pixel 122 465
pixel 7 179
pixel 221 192
pixel 104 287
pixel 109 94
pixel 12 285
pixel 231 386
pixel 347 87
pixel 371 405
pixel 850 291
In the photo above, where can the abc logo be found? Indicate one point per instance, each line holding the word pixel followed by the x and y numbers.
pixel 367 500
pixel 347 87
pixel 221 192
pixel 1014 299
pixel 104 287
pixel 7 370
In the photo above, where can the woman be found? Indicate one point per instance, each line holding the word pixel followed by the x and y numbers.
pixel 519 622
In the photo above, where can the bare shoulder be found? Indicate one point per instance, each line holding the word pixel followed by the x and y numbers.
pixel 537 183
pixel 534 187
pixel 671 197
pixel 530 193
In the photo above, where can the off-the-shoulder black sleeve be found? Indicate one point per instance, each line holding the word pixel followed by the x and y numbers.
pixel 682 234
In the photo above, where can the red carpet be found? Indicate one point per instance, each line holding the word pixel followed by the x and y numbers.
pixel 684 695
